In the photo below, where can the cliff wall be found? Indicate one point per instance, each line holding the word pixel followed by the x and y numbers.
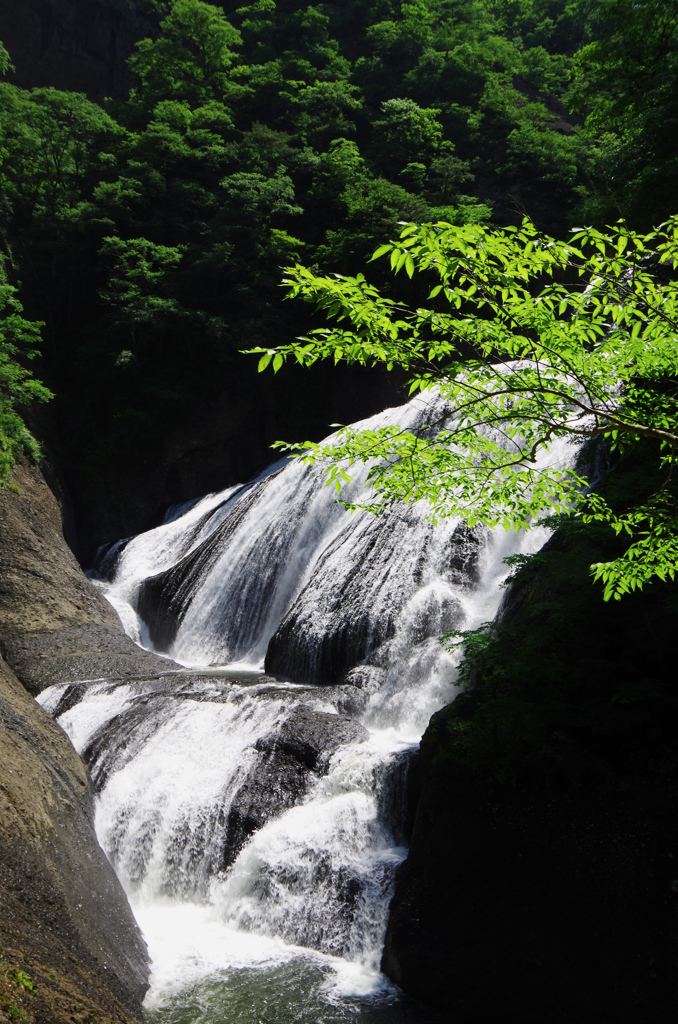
pixel 518 907
pixel 64 919
pixel 542 879
pixel 65 923
pixel 78 45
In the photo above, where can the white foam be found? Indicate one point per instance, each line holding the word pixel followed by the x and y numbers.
pixel 317 878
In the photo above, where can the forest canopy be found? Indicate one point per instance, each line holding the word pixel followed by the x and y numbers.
pixel 147 234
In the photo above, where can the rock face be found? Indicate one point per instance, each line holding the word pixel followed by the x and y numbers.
pixel 220 441
pixel 55 626
pixel 345 622
pixel 63 909
pixel 301 747
pixel 77 45
pixel 542 879
pixel 531 909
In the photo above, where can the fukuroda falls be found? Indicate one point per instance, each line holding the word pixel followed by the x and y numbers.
pixel 253 800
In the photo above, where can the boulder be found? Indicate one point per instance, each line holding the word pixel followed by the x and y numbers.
pixel 290 758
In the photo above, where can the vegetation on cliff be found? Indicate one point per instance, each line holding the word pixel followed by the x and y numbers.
pixel 149 236
pixel 19 340
pixel 563 689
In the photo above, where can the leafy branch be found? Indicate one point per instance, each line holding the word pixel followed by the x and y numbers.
pixel 529 341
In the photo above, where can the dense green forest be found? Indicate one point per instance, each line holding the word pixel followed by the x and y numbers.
pixel 146 236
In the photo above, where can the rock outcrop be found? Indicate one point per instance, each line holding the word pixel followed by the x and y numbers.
pixel 55 626
pixel 64 918
pixel 529 910
pixel 290 757
pixel 331 629
pixel 77 45
pixel 542 878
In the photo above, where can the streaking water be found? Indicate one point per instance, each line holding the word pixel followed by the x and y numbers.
pixel 282 920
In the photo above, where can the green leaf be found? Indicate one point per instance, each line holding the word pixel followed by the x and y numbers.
pixel 519 374
pixel 381 251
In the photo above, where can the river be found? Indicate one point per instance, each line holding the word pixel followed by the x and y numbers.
pixel 254 800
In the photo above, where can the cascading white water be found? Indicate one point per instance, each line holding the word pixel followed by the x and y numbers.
pixel 349 601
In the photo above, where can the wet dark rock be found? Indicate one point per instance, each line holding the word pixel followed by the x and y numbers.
pixel 300 749
pixel 397 795
pixel 351 697
pixel 289 757
pixel 331 630
pixel 163 600
pixel 71 696
pixel 311 737
pixel 121 738
pixel 152 702
pixel 533 908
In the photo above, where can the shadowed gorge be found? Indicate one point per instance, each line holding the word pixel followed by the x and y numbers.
pixel 274 759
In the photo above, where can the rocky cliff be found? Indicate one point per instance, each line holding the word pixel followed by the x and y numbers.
pixel 55 626
pixel 518 908
pixel 69 945
pixel 65 924
pixel 542 878
pixel 79 45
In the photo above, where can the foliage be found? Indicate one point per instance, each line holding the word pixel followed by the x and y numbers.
pixel 18 338
pixel 531 340
pixel 257 133
pixel 627 77
pixel 190 59
pixel 137 271
pixel 5 63
pixel 565 689
pixel 18 991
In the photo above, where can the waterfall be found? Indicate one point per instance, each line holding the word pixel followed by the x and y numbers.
pixel 253 804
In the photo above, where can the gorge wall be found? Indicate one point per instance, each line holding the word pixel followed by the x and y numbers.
pixel 220 441
pixel 548 893
pixel 542 878
pixel 65 923
pixel 79 45
pixel 522 907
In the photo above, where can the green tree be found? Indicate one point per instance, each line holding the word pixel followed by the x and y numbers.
pixel 136 292
pixel 529 340
pixel 627 78
pixel 323 111
pixel 5 63
pixel 19 339
pixel 191 58
pixel 56 149
pixel 405 130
